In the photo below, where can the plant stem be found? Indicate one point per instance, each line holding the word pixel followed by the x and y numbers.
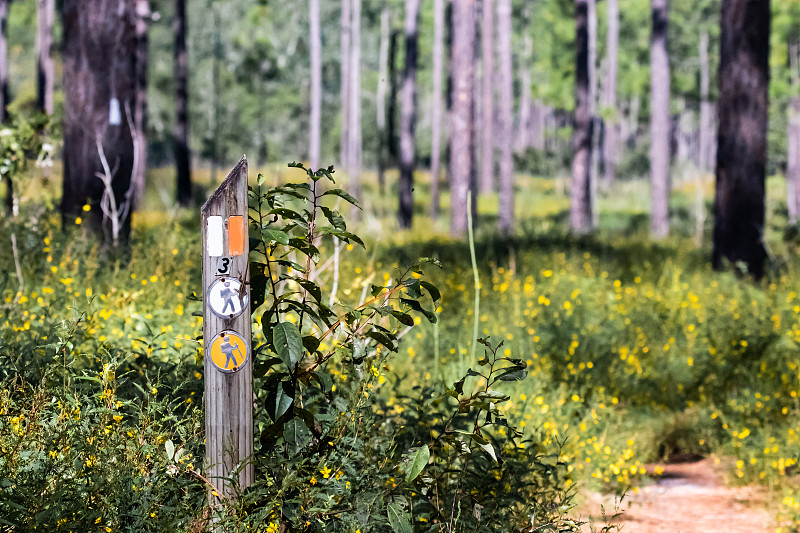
pixel 475 277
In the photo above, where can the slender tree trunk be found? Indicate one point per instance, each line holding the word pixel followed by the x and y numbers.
pixel 181 140
pixel 706 107
pixel 793 155
pixel 140 106
pixel 316 83
pixel 742 140
pixel 659 121
pixel 506 133
pixel 4 95
pixel 405 210
pixel 595 130
pixel 100 78
pixel 462 143
pixel 354 128
pixel 438 37
pixel 580 214
pixel 215 92
pixel 45 14
pixel 383 73
pixel 391 113
pixel 487 98
pixel 610 144
pixel 347 19
pixel 527 122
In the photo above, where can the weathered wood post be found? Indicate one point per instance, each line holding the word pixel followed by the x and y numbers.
pixel 226 334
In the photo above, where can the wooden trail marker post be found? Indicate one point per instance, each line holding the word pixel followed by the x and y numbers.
pixel 226 334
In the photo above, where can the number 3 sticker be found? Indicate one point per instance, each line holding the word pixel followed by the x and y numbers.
pixel 223 266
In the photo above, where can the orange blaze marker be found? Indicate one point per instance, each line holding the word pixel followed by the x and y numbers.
pixel 236 235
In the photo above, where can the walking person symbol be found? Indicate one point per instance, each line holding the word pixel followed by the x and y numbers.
pixel 228 348
pixel 227 295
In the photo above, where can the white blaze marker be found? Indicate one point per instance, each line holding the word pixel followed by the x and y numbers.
pixel 214 236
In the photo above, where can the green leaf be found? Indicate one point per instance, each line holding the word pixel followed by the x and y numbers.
pixel 288 343
pixel 432 290
pixel 343 195
pixel 404 318
pixel 275 235
pixel 398 519
pixel 513 374
pixel 170 447
pixel 279 400
pixel 336 220
pixel 488 448
pixel 296 435
pixel 418 462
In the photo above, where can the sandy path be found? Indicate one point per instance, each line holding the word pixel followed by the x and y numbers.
pixel 689 498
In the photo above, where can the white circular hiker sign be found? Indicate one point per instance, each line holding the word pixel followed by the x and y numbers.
pixel 226 297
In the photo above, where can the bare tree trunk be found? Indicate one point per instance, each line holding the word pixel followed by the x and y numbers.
pixel 706 107
pixel 4 96
pixel 580 214
pixel 316 83
pixel 345 81
pixel 487 98
pixel 181 141
pixel 405 212
pixel 45 14
pixel 140 106
pixel 354 127
pixel 659 121
pixel 100 76
pixel 610 144
pixel 526 123
pixel 595 130
pixel 793 155
pixel 215 92
pixel 462 143
pixel 383 73
pixel 742 140
pixel 438 38
pixel 391 112
pixel 506 137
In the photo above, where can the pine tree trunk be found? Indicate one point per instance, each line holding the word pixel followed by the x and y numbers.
pixel 659 121
pixel 506 133
pixel 391 112
pixel 316 83
pixel 4 96
pixel 99 58
pixel 706 133
pixel 380 106
pixel 594 169
pixel 462 144
pixel 610 144
pixel 181 141
pixel 525 124
pixel 742 138
pixel 140 106
pixel 487 98
pixel 354 126
pixel 436 112
pixel 405 212
pixel 346 21
pixel 580 214
pixel 793 139
pixel 45 15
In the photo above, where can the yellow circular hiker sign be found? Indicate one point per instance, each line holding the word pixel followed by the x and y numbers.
pixel 228 351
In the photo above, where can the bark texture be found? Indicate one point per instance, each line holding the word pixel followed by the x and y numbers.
pixel 436 112
pixel 462 142
pixel 181 136
pixel 4 93
pixel 580 214
pixel 660 131
pixel 610 138
pixel 100 75
pixel 793 155
pixel 405 211
pixel 742 137
pixel 316 83
pixel 506 133
pixel 705 156
pixel 346 20
pixel 354 109
pixel 488 82
pixel 380 95
pixel 140 106
pixel 45 15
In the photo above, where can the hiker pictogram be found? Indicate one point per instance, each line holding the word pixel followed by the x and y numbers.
pixel 228 351
pixel 226 297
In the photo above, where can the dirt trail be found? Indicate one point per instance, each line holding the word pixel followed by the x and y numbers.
pixel 689 498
